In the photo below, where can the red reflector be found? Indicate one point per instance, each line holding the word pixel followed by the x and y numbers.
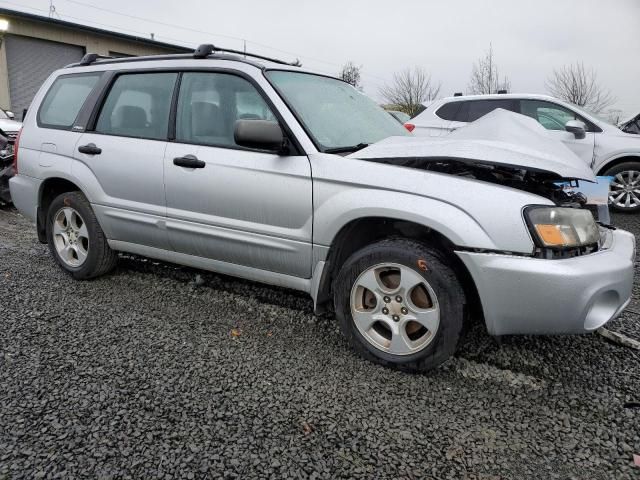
pixel 409 126
pixel 15 152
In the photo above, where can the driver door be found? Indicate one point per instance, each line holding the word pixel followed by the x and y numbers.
pixel 553 117
pixel 238 205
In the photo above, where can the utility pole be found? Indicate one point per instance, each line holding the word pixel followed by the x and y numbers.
pixel 52 10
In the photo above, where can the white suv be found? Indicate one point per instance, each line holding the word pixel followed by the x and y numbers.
pixel 604 147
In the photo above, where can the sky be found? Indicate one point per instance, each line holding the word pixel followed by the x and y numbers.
pixel 445 37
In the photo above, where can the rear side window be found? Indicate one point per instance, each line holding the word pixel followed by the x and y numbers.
pixel 64 100
pixel 449 111
pixel 138 105
pixel 479 108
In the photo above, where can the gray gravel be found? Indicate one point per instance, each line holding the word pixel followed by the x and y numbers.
pixel 151 372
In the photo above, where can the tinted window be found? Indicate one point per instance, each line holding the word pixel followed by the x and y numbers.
pixel 633 127
pixel 209 105
pixel 479 108
pixel 550 115
pixel 449 111
pixel 64 99
pixel 138 106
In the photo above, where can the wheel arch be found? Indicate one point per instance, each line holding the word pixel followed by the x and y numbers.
pixel 617 161
pixel 50 189
pixel 364 231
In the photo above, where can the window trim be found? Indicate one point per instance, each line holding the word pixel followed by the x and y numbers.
pixel 295 146
pixel 87 101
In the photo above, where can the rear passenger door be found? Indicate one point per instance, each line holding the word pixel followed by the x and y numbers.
pixel 472 110
pixel 242 206
pixel 121 158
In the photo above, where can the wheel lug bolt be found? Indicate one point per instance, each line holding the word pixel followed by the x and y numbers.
pixel 398 299
pixel 396 318
pixel 385 311
pixel 386 299
pixel 404 310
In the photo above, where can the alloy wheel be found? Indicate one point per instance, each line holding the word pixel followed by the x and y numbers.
pixel 395 309
pixel 70 236
pixel 625 189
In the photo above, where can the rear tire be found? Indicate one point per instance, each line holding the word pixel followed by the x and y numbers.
pixel 75 238
pixel 399 304
pixel 625 187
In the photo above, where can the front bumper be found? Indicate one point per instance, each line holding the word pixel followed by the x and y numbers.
pixel 524 295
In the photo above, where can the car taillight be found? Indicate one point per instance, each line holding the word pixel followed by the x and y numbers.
pixel 15 152
pixel 409 126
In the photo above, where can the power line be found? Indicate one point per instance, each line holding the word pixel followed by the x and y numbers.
pixel 194 30
pixel 179 41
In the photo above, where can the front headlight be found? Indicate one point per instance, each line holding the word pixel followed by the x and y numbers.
pixel 558 227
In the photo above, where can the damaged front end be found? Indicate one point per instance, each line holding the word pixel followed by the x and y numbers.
pixel 559 190
pixel 6 167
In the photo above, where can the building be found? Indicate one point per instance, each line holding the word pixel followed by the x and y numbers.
pixel 33 46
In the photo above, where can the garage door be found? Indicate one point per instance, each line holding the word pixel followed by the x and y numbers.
pixel 30 61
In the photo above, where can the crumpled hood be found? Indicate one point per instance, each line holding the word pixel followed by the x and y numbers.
pixel 498 138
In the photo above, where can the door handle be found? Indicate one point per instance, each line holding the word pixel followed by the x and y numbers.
pixel 90 149
pixel 189 161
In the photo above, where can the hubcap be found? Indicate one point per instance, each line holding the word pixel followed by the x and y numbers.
pixel 70 237
pixel 625 189
pixel 395 309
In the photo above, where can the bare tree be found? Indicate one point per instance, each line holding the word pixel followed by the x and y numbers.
pixel 409 89
pixel 485 77
pixel 576 84
pixel 350 73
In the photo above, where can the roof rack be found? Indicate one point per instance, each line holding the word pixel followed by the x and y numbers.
pixel 206 49
pixel 89 58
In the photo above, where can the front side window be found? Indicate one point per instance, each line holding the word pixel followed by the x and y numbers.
pixel 550 115
pixel 65 98
pixel 209 104
pixel 138 105
pixel 336 115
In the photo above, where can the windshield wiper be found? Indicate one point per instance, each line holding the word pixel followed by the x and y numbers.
pixel 352 148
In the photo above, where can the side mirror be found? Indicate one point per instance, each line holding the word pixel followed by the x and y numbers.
pixel 11 115
pixel 576 127
pixel 261 134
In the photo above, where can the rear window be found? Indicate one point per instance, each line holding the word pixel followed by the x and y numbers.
pixel 449 111
pixel 65 98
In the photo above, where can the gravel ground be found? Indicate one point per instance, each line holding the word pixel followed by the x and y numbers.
pixel 148 373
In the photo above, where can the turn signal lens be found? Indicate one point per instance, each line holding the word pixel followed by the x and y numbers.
pixel 563 227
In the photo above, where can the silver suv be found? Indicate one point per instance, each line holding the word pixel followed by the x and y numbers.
pixel 268 172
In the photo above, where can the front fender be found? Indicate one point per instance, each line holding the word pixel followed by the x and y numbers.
pixel 470 213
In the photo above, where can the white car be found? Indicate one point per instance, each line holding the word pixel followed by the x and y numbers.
pixel 8 125
pixel 604 147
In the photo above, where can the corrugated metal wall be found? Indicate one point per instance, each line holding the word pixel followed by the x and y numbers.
pixel 30 61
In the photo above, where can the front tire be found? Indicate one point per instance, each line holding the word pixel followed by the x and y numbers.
pixel 75 238
pixel 400 304
pixel 624 195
